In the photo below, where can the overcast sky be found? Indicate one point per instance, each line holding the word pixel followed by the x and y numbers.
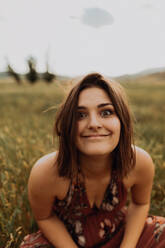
pixel 113 37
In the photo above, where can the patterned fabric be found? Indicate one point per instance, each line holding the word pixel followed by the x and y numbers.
pixel 35 240
pixel 93 227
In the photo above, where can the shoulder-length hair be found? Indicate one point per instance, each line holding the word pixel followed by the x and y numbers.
pixel 66 127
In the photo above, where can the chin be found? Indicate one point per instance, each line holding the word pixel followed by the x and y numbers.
pixel 95 152
pixel 97 149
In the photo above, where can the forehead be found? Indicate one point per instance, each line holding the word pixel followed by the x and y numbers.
pixel 93 95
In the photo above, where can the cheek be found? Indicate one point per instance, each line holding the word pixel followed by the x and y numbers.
pixel 118 125
pixel 115 125
pixel 80 127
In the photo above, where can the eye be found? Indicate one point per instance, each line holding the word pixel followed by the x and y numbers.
pixel 81 115
pixel 106 113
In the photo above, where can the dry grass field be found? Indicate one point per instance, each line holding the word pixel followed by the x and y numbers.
pixel 26 134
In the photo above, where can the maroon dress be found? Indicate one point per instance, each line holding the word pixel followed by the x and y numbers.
pixel 98 227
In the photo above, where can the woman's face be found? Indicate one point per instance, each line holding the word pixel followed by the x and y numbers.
pixel 98 126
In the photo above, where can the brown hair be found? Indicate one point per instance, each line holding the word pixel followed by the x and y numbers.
pixel 66 127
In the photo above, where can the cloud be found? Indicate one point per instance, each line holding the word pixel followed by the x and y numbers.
pixel 96 17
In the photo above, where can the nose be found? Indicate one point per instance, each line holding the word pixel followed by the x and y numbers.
pixel 94 122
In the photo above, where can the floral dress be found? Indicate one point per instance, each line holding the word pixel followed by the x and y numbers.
pixel 93 227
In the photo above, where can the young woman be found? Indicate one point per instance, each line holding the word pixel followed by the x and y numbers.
pixel 78 195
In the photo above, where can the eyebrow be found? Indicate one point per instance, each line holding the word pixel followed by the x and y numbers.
pixel 99 106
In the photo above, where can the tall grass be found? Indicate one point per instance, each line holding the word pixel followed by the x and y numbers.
pixel 26 135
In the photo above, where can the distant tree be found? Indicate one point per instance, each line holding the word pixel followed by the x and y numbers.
pixel 14 74
pixel 47 76
pixel 32 75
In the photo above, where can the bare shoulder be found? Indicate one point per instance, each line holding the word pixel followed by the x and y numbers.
pixel 45 166
pixel 44 176
pixel 46 160
pixel 45 185
pixel 144 167
pixel 44 172
pixel 143 159
pixel 143 170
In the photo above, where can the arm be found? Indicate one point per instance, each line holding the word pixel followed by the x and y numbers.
pixel 139 206
pixel 44 185
pixel 56 232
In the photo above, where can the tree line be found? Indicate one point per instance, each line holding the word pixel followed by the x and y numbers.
pixel 32 75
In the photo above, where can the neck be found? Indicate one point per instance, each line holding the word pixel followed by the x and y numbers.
pixel 95 166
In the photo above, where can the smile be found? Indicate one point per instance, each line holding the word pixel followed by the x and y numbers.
pixel 95 136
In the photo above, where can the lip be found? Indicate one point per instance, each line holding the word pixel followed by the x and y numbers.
pixel 95 136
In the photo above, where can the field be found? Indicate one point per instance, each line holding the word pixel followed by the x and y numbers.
pixel 27 115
